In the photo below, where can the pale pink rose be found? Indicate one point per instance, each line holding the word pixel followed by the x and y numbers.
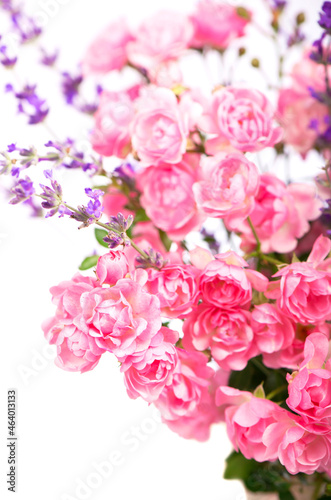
pixel 305 293
pixel 243 117
pixel 292 356
pixel 227 333
pixel 217 24
pixel 299 448
pixel 77 350
pixel 168 199
pixel 176 288
pixel 167 74
pixel 160 127
pixel 160 38
pixel 247 418
pixel 226 186
pixel 272 330
pixel 67 295
pixel 76 346
pixel 187 405
pixel 147 373
pixel 280 215
pixel 310 387
pixel 307 73
pixel 112 267
pixel 109 50
pixel 124 316
pixel 226 283
pixel 302 118
pixel 111 134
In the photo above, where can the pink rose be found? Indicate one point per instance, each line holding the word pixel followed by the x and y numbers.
pixel 77 350
pixel 272 330
pixel 310 388
pixel 217 24
pixel 187 405
pixel 124 316
pixel 147 373
pixel 227 333
pixel 67 295
pixel 76 346
pixel 167 197
pixel 227 284
pixel 160 38
pixel 280 215
pixel 175 286
pixel 108 50
pixel 112 267
pixel 247 419
pixel 307 73
pixel 226 187
pixel 305 293
pixel 160 128
pixel 299 448
pixel 243 117
pixel 302 118
pixel 111 135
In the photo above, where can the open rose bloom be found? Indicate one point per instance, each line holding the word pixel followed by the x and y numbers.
pixel 209 192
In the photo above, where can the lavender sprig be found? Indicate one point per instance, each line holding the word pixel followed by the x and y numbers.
pixel 152 258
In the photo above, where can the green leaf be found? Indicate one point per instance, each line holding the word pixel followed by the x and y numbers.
pixel 259 392
pixel 238 467
pixel 141 216
pixel 100 234
pixel 89 262
pixel 285 495
pixel 165 240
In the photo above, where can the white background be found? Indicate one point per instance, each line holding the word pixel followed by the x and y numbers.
pixel 68 424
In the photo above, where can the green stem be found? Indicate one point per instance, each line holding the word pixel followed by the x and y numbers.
pixel 258 242
pixel 260 366
pixel 276 391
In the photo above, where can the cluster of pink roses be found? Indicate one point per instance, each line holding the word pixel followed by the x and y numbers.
pixel 121 311
pixel 192 157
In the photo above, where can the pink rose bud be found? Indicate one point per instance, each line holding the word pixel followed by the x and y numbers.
pixel 112 267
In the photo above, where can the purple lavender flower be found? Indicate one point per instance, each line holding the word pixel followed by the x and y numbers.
pixel 120 223
pixel 5 59
pixel 153 259
pixel 31 105
pixel 23 190
pixel 52 196
pixel 70 86
pixel 11 148
pixel 48 59
pixel 325 17
pixel 113 240
pixel 126 173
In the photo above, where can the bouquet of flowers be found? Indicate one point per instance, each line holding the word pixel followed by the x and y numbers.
pixel 211 284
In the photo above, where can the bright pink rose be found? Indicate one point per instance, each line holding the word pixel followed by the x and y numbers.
pixel 160 127
pixel 280 215
pixel 217 24
pixel 310 388
pixel 176 288
pixel 247 418
pixel 77 350
pixel 108 51
pixel 299 448
pixel 187 405
pixel 76 347
pixel 160 38
pixel 305 293
pixel 112 267
pixel 226 187
pixel 124 316
pixel 243 117
pixel 227 284
pixel 111 134
pixel 272 330
pixel 302 118
pixel 227 333
pixel 147 373
pixel 167 197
